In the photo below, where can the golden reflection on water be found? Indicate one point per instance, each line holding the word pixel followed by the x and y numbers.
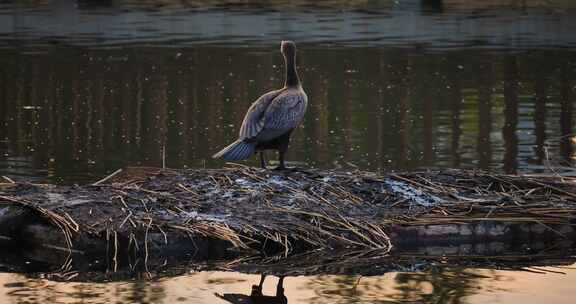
pixel 446 285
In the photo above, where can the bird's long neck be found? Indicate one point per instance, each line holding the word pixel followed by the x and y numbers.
pixel 292 79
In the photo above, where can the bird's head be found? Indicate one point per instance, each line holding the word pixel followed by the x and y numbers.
pixel 288 48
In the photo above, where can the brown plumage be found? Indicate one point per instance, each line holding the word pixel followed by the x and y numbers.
pixel 271 118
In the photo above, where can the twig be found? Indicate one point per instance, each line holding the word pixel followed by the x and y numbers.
pixel 107 177
pixel 9 180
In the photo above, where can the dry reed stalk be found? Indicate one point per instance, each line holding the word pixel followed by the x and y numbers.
pixel 301 207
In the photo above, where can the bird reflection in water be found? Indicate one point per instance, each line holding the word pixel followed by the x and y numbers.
pixel 256 296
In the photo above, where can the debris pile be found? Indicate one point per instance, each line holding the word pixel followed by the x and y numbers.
pixel 288 212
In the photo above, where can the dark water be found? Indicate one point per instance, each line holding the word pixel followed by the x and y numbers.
pixel 87 87
pixel 72 114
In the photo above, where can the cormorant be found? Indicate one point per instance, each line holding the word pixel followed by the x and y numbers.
pixel 256 296
pixel 272 117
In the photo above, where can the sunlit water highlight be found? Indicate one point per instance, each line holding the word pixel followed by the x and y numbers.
pixel 448 285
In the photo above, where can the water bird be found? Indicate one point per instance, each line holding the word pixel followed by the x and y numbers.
pixel 256 296
pixel 270 120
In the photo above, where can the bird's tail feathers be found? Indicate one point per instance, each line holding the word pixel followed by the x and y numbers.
pixel 238 150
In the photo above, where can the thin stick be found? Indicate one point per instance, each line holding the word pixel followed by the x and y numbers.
pixel 107 177
pixel 163 156
pixel 11 181
pixel 115 259
pixel 146 245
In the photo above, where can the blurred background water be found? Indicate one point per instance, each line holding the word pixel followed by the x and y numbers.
pixel 87 87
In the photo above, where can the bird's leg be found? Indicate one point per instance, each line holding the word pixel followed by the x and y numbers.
pixel 282 165
pixel 284 141
pixel 262 277
pixel 262 160
pixel 280 288
pixel 257 289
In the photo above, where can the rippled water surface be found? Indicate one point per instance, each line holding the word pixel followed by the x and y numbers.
pixel 72 114
pixel 87 87
pixel 447 285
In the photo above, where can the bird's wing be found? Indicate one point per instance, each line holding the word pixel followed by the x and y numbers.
pixel 286 111
pixel 254 120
